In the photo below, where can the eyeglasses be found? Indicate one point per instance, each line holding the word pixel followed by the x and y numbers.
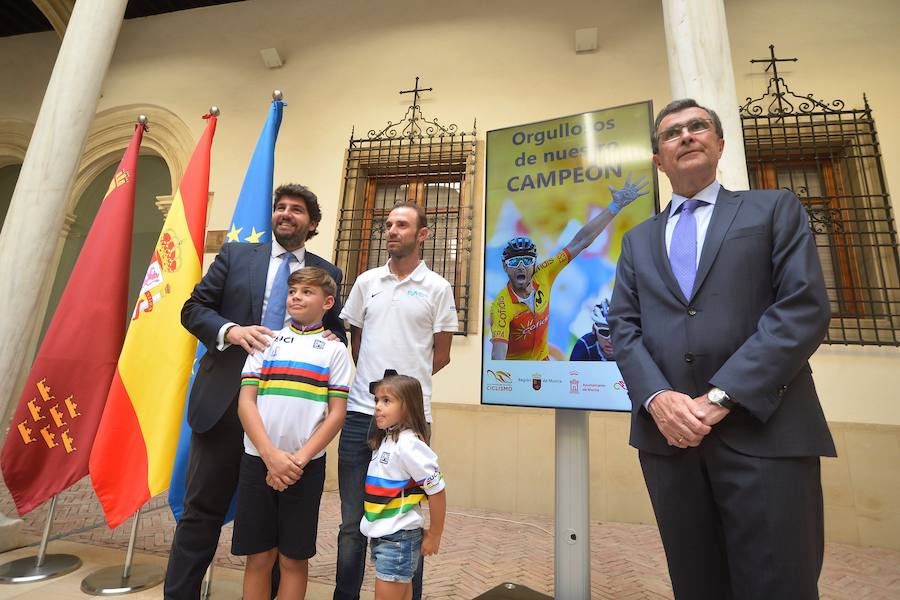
pixel 602 332
pixel 694 126
pixel 515 261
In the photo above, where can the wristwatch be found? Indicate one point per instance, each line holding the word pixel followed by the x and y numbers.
pixel 720 398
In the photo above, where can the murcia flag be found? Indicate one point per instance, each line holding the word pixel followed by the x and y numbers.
pixel 132 455
pixel 51 434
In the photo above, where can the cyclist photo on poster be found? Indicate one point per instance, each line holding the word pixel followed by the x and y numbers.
pixel 520 313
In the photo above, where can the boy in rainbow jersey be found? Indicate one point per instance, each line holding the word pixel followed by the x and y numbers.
pixel 292 402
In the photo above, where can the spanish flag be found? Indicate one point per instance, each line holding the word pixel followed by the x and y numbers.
pixel 131 460
pixel 49 442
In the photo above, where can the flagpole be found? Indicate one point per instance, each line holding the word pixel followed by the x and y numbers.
pixel 206 586
pixel 43 566
pixel 127 578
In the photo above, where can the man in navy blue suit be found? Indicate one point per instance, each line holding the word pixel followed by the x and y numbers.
pixel 719 302
pixel 225 312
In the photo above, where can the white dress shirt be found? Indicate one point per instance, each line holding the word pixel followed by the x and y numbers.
pixel 702 215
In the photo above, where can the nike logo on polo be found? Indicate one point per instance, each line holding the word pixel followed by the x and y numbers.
pixel 376 293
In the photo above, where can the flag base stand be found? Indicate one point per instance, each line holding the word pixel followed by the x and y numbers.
pixel 43 566
pixel 124 579
pixel 112 581
pixel 26 570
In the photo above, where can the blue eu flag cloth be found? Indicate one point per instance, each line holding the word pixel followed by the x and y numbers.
pixel 251 223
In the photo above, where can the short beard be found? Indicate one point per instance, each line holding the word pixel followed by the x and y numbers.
pixel 290 242
pixel 401 251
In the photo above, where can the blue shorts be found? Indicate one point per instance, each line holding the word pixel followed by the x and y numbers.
pixel 396 556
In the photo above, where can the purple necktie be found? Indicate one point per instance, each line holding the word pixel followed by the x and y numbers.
pixel 683 248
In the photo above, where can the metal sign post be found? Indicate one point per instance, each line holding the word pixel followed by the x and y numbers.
pixel 572 542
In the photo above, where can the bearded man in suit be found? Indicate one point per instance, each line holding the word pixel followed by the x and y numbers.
pixel 231 313
pixel 719 302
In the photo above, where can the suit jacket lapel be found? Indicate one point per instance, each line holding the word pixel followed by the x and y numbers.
pixel 258 271
pixel 661 257
pixel 727 204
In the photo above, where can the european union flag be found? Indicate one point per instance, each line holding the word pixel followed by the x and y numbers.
pixel 252 223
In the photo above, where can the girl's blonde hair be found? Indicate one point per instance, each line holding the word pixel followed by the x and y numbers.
pixel 409 391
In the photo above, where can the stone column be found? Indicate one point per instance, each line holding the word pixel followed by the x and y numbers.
pixel 700 68
pixel 38 208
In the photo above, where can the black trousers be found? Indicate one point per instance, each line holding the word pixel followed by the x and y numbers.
pixel 738 527
pixel 212 474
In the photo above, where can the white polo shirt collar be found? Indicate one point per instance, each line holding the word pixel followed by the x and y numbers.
pixel 418 274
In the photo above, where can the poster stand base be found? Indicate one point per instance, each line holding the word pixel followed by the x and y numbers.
pixel 512 591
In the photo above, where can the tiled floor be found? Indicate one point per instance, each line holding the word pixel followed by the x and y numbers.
pixel 480 550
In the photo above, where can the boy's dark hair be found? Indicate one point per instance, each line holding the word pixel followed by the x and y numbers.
pixel 422 216
pixel 316 277
pixel 677 106
pixel 301 192
pixel 409 391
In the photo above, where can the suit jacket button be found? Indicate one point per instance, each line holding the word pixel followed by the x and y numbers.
pixel 692 311
pixel 688 357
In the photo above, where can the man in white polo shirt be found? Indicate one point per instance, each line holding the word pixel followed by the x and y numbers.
pixel 402 316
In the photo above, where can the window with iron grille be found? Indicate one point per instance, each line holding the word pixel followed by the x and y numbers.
pixel 829 156
pixel 412 160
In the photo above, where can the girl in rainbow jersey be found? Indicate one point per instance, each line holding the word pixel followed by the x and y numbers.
pixel 403 470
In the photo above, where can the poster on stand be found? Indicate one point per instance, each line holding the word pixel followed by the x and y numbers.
pixel 560 194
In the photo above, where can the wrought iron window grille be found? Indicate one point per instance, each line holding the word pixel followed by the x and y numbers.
pixel 419 160
pixel 829 156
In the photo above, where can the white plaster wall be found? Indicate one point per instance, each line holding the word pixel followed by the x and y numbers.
pixel 502 62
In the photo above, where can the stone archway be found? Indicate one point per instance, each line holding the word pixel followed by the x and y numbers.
pixel 58 12
pixel 169 138
pixel 14 137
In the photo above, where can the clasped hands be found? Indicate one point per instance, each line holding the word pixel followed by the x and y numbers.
pixel 284 469
pixel 684 421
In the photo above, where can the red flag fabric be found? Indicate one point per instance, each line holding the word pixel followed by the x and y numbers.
pixel 50 438
pixel 135 447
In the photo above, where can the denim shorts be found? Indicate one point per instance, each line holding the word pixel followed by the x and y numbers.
pixel 396 556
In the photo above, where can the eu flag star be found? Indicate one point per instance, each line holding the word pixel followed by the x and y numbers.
pixel 254 237
pixel 233 235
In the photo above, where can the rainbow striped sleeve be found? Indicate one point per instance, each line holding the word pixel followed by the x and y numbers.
pixel 338 391
pixel 250 380
pixel 250 372
pixel 386 498
pixel 340 373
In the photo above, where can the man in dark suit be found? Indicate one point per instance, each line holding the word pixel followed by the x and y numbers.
pixel 224 312
pixel 718 304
